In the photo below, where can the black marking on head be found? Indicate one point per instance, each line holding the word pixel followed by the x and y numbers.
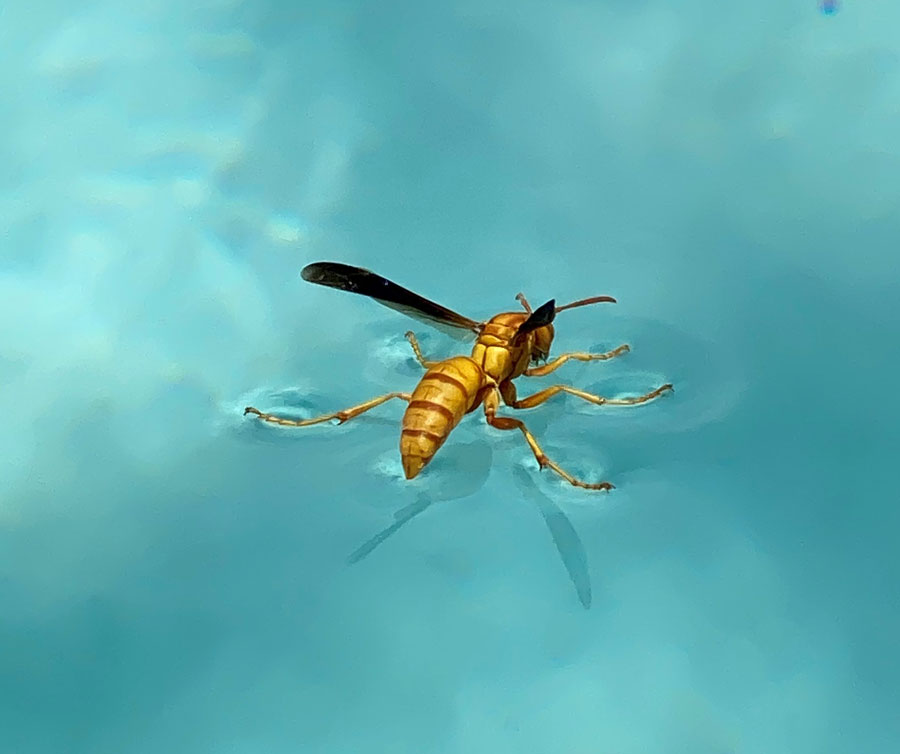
pixel 540 317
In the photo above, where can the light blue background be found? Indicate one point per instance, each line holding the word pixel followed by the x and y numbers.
pixel 175 578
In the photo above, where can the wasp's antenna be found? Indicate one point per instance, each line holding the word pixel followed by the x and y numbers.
pixel 586 302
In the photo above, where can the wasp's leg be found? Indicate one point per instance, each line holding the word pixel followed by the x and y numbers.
pixel 418 351
pixel 508 392
pixel 341 416
pixel 492 403
pixel 538 398
pixel 579 356
pixel 520 297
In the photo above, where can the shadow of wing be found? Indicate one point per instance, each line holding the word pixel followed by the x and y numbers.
pixel 568 543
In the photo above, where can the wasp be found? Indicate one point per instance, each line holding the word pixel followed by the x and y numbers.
pixel 507 346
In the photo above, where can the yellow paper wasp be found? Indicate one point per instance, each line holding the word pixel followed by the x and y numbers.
pixel 505 348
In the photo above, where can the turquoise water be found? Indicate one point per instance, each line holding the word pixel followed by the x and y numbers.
pixel 177 578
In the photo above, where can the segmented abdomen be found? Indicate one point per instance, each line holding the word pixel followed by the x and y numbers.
pixel 446 392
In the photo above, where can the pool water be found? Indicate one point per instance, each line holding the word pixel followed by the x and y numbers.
pixel 177 577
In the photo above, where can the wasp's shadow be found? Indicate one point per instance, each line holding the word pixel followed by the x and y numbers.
pixel 461 471
pixel 475 460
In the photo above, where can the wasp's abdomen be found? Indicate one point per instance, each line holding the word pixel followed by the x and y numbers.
pixel 444 395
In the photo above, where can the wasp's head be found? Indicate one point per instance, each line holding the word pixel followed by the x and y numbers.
pixel 543 338
pixel 538 329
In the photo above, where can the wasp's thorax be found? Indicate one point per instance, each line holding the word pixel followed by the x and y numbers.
pixel 500 354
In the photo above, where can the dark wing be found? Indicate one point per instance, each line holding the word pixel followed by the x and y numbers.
pixel 357 280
